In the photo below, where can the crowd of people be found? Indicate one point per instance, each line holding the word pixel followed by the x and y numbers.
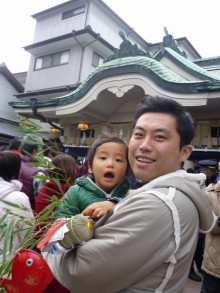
pixel 150 232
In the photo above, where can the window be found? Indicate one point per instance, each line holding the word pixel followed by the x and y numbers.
pixel 73 12
pixel 215 132
pixel 97 59
pixel 52 60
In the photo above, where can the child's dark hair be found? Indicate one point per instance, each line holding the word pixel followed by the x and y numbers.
pixel 104 138
pixel 65 168
pixel 10 165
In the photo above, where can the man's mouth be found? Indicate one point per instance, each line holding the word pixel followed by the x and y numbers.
pixel 145 160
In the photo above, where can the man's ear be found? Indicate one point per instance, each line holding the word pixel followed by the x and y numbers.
pixel 186 152
pixel 89 168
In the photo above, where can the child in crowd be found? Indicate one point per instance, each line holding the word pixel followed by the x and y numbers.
pixel 105 184
pixel 65 173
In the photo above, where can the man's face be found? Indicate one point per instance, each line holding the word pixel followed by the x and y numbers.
pixel 154 147
pixel 207 171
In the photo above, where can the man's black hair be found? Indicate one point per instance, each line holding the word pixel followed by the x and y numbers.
pixel 184 121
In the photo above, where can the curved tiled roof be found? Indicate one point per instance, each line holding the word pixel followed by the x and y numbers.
pixel 143 65
pixel 191 67
pixel 129 59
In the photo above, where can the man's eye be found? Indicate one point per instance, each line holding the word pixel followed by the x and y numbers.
pixel 138 134
pixel 160 137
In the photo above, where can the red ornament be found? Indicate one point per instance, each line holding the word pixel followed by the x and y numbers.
pixel 30 273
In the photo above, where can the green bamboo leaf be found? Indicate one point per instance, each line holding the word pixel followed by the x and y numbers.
pixel 10 203
pixel 7 240
pixel 2 219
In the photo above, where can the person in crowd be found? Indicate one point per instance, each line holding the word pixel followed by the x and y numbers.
pixel 14 145
pixel 207 167
pixel 48 156
pixel 10 164
pixel 30 146
pixel 82 169
pixel 65 172
pixel 147 241
pixel 211 258
pixel 106 183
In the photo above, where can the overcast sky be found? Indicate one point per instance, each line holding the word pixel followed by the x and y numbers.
pixel 198 20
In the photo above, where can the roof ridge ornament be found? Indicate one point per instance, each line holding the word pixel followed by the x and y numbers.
pixel 127 49
pixel 169 41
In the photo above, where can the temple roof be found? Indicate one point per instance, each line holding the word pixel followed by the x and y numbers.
pixel 130 59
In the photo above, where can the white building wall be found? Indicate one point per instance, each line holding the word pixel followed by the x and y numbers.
pixel 51 25
pixel 7 92
pixel 57 76
pixel 108 26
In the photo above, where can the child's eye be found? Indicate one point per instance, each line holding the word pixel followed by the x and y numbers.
pixel 102 158
pixel 118 160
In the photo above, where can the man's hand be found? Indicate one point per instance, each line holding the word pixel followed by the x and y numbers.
pixel 98 209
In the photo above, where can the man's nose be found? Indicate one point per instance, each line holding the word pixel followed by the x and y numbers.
pixel 146 144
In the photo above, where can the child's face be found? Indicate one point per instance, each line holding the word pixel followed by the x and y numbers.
pixel 109 165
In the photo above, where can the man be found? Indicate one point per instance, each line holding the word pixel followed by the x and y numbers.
pixel 30 185
pixel 146 243
pixel 207 167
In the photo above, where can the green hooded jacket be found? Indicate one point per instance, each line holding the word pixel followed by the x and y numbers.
pixel 85 192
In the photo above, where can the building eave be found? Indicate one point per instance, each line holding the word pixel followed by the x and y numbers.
pixel 145 66
pixel 187 65
pixel 30 94
pixel 87 30
pixel 10 77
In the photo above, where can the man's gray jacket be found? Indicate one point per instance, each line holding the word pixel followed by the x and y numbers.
pixel 145 244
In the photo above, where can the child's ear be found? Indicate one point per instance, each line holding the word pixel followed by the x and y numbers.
pixel 89 169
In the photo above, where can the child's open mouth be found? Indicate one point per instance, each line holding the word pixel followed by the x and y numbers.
pixel 109 175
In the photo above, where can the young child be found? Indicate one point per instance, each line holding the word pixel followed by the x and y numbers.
pixel 105 185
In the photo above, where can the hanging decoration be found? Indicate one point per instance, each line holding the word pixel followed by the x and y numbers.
pixel 83 126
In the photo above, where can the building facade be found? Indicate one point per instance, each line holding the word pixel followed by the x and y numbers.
pixel 68 83
pixel 9 88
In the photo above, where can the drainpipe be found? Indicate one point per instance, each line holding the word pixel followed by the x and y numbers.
pixel 83 50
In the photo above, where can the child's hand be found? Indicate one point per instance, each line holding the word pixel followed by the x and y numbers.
pixel 98 209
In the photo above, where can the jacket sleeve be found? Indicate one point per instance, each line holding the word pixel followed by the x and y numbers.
pixel 69 205
pixel 126 247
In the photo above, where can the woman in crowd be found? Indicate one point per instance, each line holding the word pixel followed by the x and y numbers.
pixel 10 164
pixel 64 172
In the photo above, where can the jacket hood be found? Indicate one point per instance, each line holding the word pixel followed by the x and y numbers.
pixel 8 187
pixel 193 186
